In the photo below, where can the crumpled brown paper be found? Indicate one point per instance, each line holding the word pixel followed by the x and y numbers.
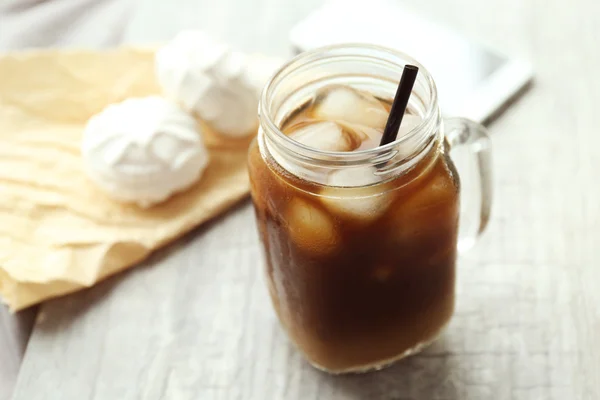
pixel 58 232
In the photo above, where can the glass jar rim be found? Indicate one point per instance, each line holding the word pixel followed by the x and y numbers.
pixel 359 50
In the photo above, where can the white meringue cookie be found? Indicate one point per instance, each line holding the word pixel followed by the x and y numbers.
pixel 259 69
pixel 143 150
pixel 211 81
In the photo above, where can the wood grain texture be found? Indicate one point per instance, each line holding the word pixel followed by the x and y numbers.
pixel 195 322
pixel 14 333
pixel 62 23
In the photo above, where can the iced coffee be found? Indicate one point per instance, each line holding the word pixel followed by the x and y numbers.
pixel 360 263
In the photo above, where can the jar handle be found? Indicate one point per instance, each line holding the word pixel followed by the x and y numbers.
pixel 471 151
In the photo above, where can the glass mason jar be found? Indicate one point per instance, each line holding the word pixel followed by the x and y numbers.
pixel 363 273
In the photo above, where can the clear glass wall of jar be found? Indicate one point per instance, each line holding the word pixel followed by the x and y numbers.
pixel 363 274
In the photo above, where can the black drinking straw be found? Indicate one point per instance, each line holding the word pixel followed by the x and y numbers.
pixel 392 126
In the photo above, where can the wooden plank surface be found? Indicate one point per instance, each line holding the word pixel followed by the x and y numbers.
pixel 195 321
pixel 14 334
pixel 63 23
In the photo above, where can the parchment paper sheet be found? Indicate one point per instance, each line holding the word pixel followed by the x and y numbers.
pixel 58 232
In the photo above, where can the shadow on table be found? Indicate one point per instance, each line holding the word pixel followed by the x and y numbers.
pixel 428 375
pixel 59 313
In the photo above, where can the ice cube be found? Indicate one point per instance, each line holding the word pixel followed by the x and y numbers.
pixel 430 214
pixel 286 165
pixel 354 177
pixel 409 122
pixel 440 189
pixel 326 136
pixel 346 104
pixel 354 193
pixel 311 228
pixel 369 137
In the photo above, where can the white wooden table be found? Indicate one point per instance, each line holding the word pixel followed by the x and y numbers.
pixel 194 322
pixel 64 23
